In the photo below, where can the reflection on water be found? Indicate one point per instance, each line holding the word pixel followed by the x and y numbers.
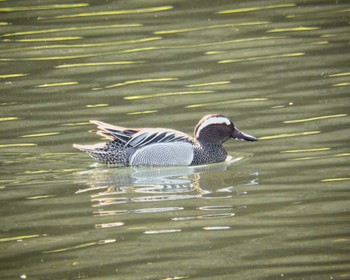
pixel 278 69
pixel 148 184
pixel 121 193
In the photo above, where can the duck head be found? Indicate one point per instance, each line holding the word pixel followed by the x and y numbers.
pixel 217 128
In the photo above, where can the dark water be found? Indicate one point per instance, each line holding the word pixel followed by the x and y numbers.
pixel 277 209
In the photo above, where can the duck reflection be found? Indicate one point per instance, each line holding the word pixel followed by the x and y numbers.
pixel 163 200
pixel 106 186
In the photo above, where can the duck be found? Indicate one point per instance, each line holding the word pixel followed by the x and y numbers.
pixel 163 146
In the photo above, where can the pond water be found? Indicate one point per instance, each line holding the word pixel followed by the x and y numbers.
pixel 276 209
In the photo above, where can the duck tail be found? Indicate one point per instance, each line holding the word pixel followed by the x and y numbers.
pixel 90 148
pixel 95 151
pixel 103 153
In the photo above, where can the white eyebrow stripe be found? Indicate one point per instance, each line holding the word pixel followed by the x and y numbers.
pixel 213 120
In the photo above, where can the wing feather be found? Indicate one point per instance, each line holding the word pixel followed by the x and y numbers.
pixel 157 135
pixel 137 138
pixel 114 132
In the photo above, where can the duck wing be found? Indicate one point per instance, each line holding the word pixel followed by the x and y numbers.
pixel 158 146
pixel 149 136
pixel 136 138
pixel 113 132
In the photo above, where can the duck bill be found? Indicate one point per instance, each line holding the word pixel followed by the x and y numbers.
pixel 239 135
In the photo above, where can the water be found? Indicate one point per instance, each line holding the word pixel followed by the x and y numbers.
pixel 277 209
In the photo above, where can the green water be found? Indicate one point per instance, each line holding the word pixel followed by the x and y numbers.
pixel 277 209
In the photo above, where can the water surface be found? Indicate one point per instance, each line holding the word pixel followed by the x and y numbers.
pixel 277 209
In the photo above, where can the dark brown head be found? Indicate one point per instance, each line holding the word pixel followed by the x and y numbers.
pixel 217 128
